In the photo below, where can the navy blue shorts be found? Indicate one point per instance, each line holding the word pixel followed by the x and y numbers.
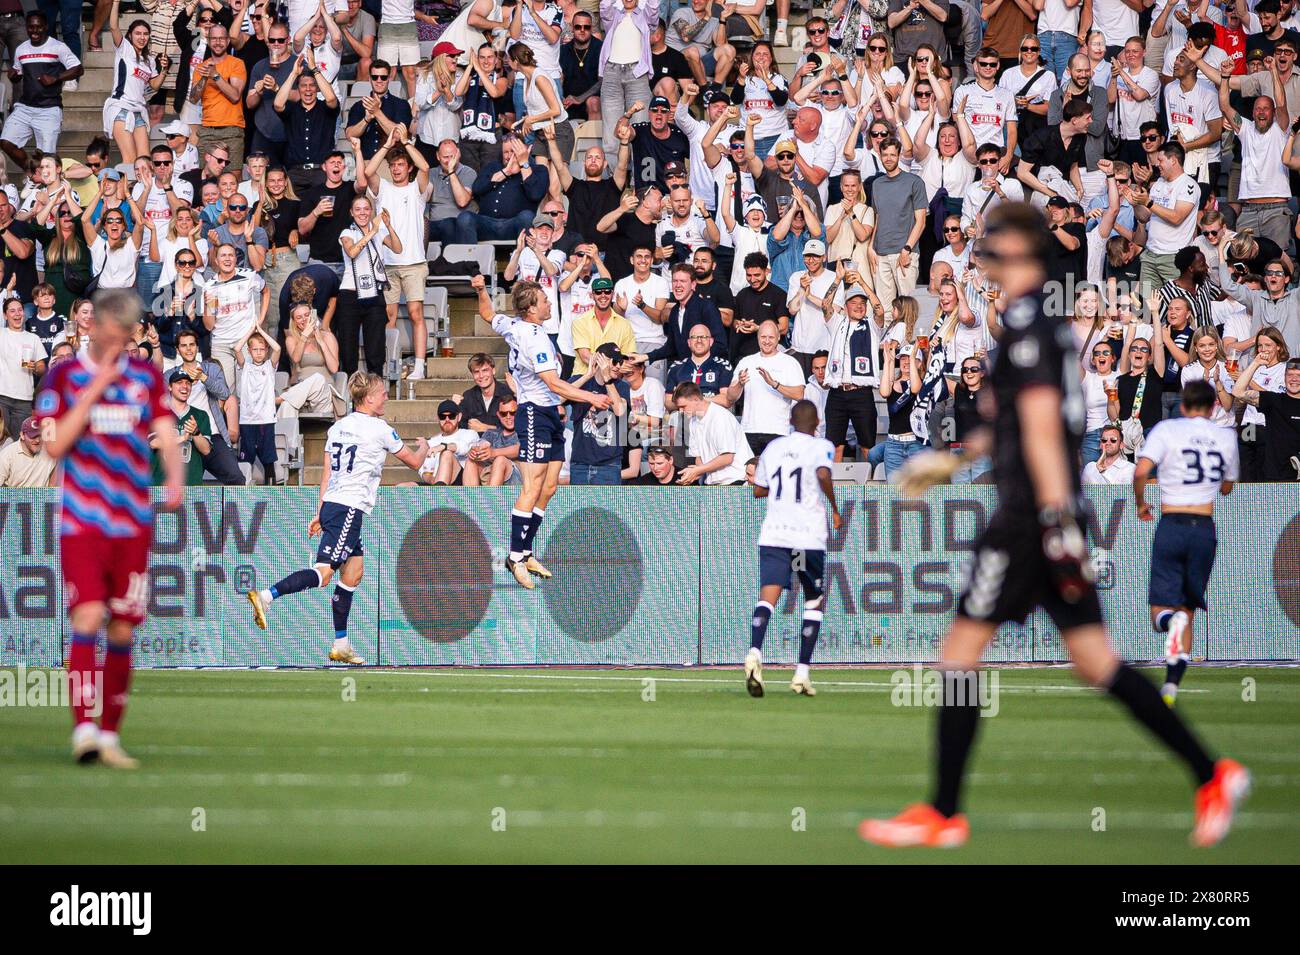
pixel 776 565
pixel 1182 556
pixel 340 534
pixel 257 443
pixel 541 433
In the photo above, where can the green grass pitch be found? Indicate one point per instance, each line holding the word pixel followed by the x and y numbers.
pixel 579 766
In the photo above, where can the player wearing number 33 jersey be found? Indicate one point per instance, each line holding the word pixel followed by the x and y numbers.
pixel 356 448
pixel 794 474
pixel 1195 461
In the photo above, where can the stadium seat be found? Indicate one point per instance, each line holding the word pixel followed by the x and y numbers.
pixel 288 443
pixel 304 253
pixel 435 318
pixel 879 474
pixel 856 472
pixel 481 255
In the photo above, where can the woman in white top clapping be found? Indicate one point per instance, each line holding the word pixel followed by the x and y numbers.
pixel 1208 365
pixel 361 308
pixel 439 116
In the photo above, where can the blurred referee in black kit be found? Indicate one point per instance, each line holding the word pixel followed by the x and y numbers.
pixel 1033 552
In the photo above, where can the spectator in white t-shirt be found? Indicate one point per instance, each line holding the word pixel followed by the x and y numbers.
pixel 1112 467
pixel 642 298
pixel 811 332
pixel 449 448
pixel 717 441
pixel 771 383
pixel 401 201
pixel 257 356
pixel 1265 187
pixel 22 361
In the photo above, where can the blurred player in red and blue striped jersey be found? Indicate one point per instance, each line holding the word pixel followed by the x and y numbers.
pixel 102 413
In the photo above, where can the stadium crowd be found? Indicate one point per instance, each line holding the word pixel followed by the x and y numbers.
pixel 736 236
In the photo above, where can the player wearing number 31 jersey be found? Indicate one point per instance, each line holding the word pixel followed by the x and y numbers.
pixel 356 448
pixel 1195 461
pixel 794 474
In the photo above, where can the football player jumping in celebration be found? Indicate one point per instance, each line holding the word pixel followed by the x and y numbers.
pixel 356 447
pixel 794 474
pixel 98 413
pixel 536 370
pixel 1033 552
pixel 1195 461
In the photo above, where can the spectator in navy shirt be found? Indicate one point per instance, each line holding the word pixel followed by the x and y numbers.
pixel 598 435
pixel 711 372
pixel 373 117
pixel 314 283
pixel 308 122
pixel 508 193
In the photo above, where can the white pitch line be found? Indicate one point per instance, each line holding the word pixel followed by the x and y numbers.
pixel 731 681
pixel 219 818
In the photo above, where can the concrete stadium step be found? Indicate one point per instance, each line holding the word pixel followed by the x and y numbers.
pixel 419 411
pixel 467 345
pixel 436 389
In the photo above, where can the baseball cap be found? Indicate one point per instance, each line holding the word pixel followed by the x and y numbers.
pixel 176 128
pixel 660 102
pixel 814 247
pixel 712 93
pixel 542 219
pixel 785 146
pixel 906 351
pixel 113 174
pixel 856 292
pixel 178 374
pixel 755 202
pixel 1058 202
pixel 819 61
pixel 674 168
pixel 602 284
pixel 445 48
pixel 610 351
pixel 31 428
pixel 447 406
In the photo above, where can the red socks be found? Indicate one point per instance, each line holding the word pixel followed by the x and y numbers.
pixel 117 681
pixel 83 687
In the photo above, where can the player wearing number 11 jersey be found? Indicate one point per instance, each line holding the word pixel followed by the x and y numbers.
pixel 356 448
pixel 794 474
pixel 1195 461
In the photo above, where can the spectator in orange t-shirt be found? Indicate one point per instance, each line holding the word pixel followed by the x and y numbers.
pixel 219 85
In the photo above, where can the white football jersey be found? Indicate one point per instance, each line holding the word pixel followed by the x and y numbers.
pixel 796 507
pixel 356 448
pixel 1193 456
pixel 531 353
